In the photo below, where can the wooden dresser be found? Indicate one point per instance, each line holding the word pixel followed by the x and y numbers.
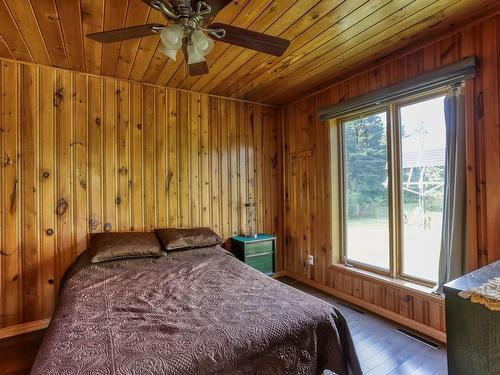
pixel 473 330
pixel 258 252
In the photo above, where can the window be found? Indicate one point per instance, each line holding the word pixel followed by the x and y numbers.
pixel 423 152
pixel 366 206
pixel 392 183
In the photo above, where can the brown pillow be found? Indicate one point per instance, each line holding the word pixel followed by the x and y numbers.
pixel 184 239
pixel 108 246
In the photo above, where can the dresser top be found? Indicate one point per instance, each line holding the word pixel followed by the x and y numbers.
pixel 473 279
pixel 260 237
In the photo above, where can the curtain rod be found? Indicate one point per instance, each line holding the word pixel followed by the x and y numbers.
pixel 446 75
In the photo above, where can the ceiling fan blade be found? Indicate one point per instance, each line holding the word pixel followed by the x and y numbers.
pixel 133 32
pixel 271 45
pixel 216 5
pixel 197 69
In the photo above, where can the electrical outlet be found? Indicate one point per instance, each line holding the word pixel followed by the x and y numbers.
pixel 310 260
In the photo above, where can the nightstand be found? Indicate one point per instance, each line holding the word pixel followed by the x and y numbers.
pixel 258 252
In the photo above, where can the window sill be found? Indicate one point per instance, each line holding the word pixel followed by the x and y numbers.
pixel 409 286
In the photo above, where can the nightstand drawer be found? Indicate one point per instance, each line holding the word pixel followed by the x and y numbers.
pixel 258 252
pixel 258 248
pixel 262 263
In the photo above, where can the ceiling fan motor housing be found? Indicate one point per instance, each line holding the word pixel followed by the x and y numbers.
pixel 184 10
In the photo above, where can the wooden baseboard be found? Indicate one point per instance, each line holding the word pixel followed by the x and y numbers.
pixel 410 323
pixel 19 329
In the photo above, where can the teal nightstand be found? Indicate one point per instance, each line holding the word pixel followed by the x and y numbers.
pixel 258 252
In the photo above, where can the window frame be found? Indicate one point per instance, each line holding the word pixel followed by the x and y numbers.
pixel 399 172
pixel 342 190
pixel 395 188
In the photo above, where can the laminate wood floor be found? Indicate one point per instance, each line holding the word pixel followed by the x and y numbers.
pixel 381 349
pixel 18 353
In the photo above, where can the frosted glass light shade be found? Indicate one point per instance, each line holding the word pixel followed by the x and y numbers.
pixel 172 53
pixel 171 37
pixel 193 56
pixel 203 44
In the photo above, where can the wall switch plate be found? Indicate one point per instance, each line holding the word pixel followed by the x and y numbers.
pixel 310 260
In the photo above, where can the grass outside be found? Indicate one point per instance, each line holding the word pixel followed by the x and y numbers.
pixel 368 242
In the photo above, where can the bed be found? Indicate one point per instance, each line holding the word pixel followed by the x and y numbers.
pixel 199 311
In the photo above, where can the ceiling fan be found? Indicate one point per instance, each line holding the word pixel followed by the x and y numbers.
pixel 190 29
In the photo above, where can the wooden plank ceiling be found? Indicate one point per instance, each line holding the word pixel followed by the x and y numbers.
pixel 329 39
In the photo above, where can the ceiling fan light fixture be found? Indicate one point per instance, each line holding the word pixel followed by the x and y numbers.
pixel 171 53
pixel 203 44
pixel 194 57
pixel 189 26
pixel 172 36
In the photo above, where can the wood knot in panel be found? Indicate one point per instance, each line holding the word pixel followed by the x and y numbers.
pixel 58 97
pixel 62 207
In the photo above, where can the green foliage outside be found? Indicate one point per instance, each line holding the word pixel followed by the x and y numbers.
pixel 366 160
pixel 366 171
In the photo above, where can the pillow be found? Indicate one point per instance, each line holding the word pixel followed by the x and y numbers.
pixel 185 239
pixel 109 246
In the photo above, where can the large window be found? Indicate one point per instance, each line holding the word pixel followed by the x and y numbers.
pixel 366 205
pixel 423 142
pixel 393 161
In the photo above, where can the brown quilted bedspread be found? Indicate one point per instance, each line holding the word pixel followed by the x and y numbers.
pixel 193 312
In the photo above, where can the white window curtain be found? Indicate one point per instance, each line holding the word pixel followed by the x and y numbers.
pixel 452 260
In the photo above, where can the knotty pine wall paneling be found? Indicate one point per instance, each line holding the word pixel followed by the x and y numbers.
pixel 82 154
pixel 328 39
pixel 308 179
